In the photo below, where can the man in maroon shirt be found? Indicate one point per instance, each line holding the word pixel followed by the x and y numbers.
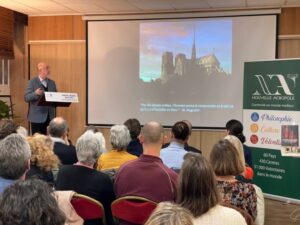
pixel 147 176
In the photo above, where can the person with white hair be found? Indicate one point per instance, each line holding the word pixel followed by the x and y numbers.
pixel 14 160
pixel 83 178
pixel 113 159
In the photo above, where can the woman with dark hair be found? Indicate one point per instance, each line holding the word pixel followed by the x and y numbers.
pixel 198 193
pixel 134 147
pixel 227 164
pixel 235 128
pixel 30 202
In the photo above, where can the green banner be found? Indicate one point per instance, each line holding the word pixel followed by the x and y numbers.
pixel 271 118
pixel 272 85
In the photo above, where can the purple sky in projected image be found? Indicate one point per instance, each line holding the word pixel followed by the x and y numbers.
pixel 212 36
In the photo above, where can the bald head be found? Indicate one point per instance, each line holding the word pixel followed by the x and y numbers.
pixel 58 127
pixel 43 69
pixel 152 133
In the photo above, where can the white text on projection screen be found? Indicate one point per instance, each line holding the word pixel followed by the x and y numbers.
pixel 169 70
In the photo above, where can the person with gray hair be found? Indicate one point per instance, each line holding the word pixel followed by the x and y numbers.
pixel 83 178
pixel 58 131
pixel 14 159
pixel 119 138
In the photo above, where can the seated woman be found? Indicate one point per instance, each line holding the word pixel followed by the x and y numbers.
pixel 235 128
pixel 134 147
pixel 227 164
pixel 30 202
pixel 247 174
pixel 113 159
pixel 167 213
pixel 83 178
pixel 198 193
pixel 43 161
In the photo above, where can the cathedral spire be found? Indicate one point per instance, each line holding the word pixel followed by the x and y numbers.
pixel 194 49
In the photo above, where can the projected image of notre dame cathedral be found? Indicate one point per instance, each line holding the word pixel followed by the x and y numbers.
pixel 207 65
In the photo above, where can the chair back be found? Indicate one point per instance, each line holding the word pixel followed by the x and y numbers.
pixel 133 209
pixel 88 208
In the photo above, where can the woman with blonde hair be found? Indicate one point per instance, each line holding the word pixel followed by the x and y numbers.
pixel 198 193
pixel 227 164
pixel 247 174
pixel 167 213
pixel 43 160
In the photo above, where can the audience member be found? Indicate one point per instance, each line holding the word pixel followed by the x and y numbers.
pixel 134 147
pixel 235 128
pixel 167 213
pixel 227 164
pixel 7 127
pixel 172 156
pixel 30 202
pixel 147 176
pixel 187 147
pixel 43 160
pixel 99 136
pixel 247 174
pixel 113 159
pixel 14 160
pixel 198 193
pixel 83 178
pixel 58 130
pixel 22 131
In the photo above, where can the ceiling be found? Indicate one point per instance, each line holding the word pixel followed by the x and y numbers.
pixel 88 7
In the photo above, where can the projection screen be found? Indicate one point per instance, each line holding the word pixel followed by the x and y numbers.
pixel 174 69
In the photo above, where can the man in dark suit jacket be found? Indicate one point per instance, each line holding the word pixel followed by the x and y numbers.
pixel 39 116
pixel 58 130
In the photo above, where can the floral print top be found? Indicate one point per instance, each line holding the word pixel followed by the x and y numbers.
pixel 239 194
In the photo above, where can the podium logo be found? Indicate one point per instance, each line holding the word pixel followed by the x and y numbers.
pixel 276 84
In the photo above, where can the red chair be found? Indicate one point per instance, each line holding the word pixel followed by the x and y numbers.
pixel 88 208
pixel 133 209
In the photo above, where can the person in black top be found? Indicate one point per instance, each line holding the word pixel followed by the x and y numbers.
pixel 58 130
pixel 235 128
pixel 134 147
pixel 84 179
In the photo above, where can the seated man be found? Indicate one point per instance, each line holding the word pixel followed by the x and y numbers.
pixel 147 176
pixel 187 147
pixel 58 131
pixel 172 156
pixel 14 160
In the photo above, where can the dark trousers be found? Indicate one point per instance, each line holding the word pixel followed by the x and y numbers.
pixel 40 127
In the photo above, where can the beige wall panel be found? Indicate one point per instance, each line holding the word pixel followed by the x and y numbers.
pixel 78 28
pixel 289 48
pixel 208 139
pixel 56 28
pixel 67 62
pixel 289 20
